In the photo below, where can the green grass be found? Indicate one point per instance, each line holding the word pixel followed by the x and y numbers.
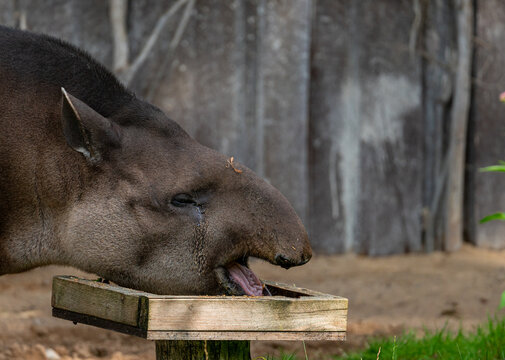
pixel 487 342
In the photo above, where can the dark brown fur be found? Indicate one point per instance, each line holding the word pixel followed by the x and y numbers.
pixel 91 177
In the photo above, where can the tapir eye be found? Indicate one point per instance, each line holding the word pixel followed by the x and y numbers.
pixel 181 200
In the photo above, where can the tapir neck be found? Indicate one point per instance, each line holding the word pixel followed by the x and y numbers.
pixel 35 244
pixel 40 177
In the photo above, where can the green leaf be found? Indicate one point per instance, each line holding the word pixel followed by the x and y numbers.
pixel 502 301
pixel 493 168
pixel 501 162
pixel 495 216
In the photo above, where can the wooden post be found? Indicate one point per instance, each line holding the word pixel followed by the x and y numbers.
pixel 202 350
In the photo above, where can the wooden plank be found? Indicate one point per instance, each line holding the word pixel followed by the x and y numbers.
pixel 282 97
pixel 485 193
pixel 390 153
pixel 248 335
pixel 199 335
pixel 98 322
pixel 93 298
pixel 365 125
pixel 334 129
pixel 247 314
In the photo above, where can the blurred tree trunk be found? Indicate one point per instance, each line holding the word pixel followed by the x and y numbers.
pixel 447 58
pixel 458 130
pixel 438 50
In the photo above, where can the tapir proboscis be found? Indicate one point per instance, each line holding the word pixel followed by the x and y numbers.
pixel 93 177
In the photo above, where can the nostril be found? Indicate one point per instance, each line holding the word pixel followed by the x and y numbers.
pixel 286 262
pixel 283 261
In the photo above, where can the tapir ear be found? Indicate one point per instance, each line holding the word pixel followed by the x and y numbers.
pixel 86 131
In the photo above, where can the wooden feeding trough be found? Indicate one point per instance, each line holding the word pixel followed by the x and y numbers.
pixel 202 327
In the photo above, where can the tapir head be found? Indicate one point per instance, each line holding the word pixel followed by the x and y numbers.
pixel 158 211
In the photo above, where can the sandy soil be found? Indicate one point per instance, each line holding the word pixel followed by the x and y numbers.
pixel 386 296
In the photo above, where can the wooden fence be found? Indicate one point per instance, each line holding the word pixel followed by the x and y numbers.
pixel 356 110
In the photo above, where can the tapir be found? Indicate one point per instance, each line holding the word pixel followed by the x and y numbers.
pixel 92 176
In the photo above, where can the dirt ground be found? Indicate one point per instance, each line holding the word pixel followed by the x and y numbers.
pixel 386 296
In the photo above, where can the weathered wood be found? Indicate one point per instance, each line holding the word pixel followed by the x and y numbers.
pixel 203 350
pixel 459 121
pixel 282 96
pixel 198 335
pixel 99 322
pixel 390 155
pixel 366 151
pixel 8 14
pixel 485 193
pixel 334 128
pixel 437 47
pixel 263 314
pixel 96 299
pixel 247 335
pixel 304 314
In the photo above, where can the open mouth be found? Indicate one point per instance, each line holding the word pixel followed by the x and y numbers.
pixel 237 279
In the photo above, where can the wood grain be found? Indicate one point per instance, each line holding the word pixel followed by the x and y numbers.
pixel 97 299
pixel 366 154
pixel 199 335
pixel 305 314
pixel 247 335
pixel 484 191
pixel 459 124
pixel 271 314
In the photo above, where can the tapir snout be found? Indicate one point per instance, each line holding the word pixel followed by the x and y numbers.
pixel 237 215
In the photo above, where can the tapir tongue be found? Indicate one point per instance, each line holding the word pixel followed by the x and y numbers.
pixel 247 280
